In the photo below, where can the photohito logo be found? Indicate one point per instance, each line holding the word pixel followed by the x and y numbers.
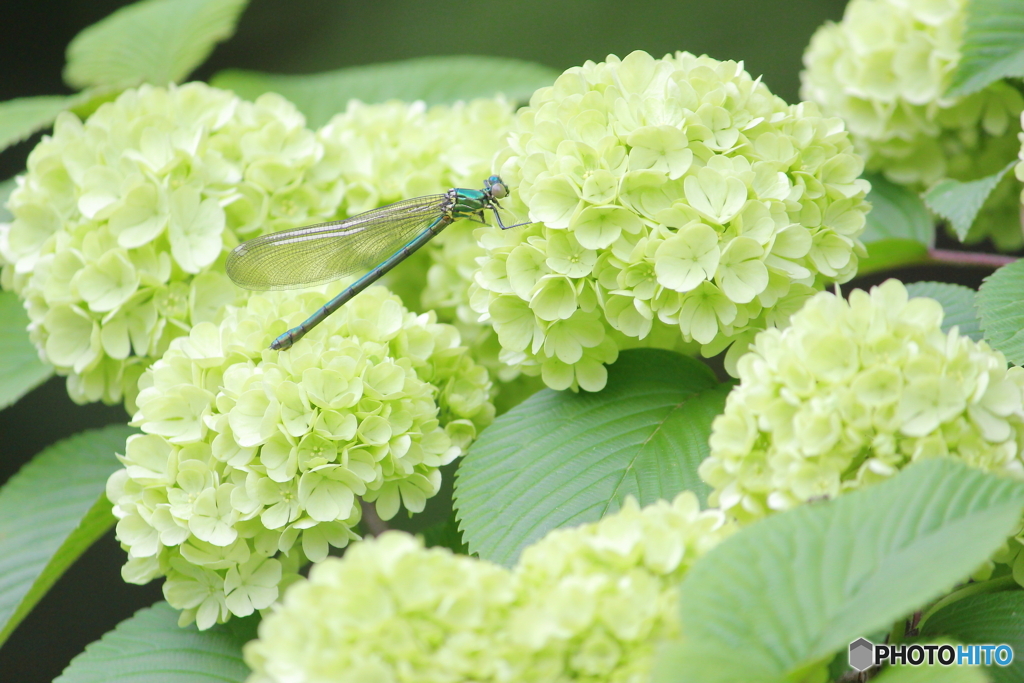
pixel 865 654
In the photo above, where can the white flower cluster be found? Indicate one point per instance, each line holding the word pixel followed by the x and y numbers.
pixel 583 604
pixel 852 392
pixel 121 221
pixel 253 460
pixel 885 69
pixel 676 201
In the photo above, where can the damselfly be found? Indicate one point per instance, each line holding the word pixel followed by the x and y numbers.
pixel 318 254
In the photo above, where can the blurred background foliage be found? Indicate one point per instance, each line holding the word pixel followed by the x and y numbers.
pixel 306 36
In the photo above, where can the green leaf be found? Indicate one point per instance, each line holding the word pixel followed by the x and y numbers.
pixel 959 203
pixel 21 371
pixel 149 647
pixel 993 45
pixel 840 664
pixel 153 41
pixel 50 513
pixel 562 458
pixel 435 80
pixel 1001 307
pixel 777 600
pixel 957 301
pixel 90 100
pixel 932 674
pixel 899 229
pixel 896 214
pixel 985 618
pixel 889 254
pixel 21 117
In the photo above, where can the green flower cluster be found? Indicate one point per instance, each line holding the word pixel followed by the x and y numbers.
pixel 389 610
pixel 853 391
pixel 884 69
pixel 121 221
pixel 586 604
pixel 594 601
pixel 254 460
pixel 382 153
pixel 676 201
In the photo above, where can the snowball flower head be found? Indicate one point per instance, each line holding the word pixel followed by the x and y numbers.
pixel 588 603
pixel 120 222
pixel 377 154
pixel 390 610
pixel 253 460
pixel 383 153
pixel 852 392
pixel 594 601
pixel 675 201
pixel 885 69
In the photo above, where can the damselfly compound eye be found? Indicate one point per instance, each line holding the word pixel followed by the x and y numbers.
pixel 498 189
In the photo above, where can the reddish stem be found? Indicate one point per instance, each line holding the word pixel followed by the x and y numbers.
pixel 969 258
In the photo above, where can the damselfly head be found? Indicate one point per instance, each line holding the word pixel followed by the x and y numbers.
pixel 496 187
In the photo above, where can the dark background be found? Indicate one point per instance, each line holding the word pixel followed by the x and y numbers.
pixel 302 36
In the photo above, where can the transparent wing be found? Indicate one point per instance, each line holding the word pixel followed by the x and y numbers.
pixel 316 254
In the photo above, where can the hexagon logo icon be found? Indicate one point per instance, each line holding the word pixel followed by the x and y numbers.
pixel 862 654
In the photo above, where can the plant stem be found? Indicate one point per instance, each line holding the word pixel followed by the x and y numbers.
pixel 969 258
pixel 374 524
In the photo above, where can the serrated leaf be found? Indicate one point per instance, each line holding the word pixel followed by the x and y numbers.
pixel 149 647
pixel 988 618
pixel 781 597
pixel 435 80
pixel 153 41
pixel 50 513
pixel 21 371
pixel 21 117
pixel 959 203
pixel 957 301
pixel 993 45
pixel 1001 309
pixel 562 458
